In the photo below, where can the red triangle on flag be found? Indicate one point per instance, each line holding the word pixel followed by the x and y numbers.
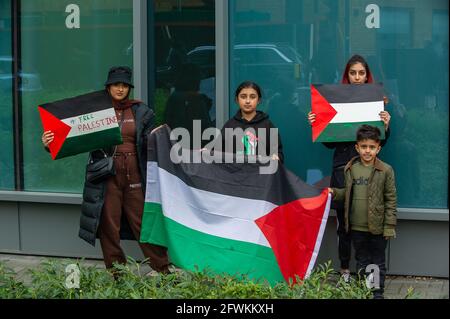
pixel 59 128
pixel 323 110
pixel 293 230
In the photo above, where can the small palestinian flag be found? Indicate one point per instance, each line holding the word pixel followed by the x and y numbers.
pixel 342 108
pixel 81 124
pixel 229 218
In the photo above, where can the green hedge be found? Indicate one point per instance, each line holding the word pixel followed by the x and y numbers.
pixel 49 281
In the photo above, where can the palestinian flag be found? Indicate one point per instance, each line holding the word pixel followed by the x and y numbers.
pixel 342 108
pixel 228 218
pixel 81 124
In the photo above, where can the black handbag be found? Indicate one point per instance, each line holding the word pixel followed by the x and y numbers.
pixel 99 170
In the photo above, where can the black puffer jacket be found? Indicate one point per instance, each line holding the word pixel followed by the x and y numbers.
pixel 93 194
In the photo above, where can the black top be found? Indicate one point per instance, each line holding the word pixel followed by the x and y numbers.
pixel 259 121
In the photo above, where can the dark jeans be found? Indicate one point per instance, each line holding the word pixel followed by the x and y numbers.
pixel 370 249
pixel 344 238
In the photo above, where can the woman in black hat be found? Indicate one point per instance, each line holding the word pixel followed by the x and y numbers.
pixel 112 209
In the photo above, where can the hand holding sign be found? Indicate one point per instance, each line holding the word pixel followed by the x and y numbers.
pixel 79 124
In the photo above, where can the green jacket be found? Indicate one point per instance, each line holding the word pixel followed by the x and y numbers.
pixel 382 197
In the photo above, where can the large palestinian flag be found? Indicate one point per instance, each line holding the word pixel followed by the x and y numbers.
pixel 81 124
pixel 342 108
pixel 228 218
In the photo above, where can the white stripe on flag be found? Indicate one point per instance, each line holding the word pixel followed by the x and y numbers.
pixel 91 122
pixel 357 112
pixel 323 224
pixel 207 212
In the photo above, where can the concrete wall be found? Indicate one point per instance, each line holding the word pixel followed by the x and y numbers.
pixel 51 229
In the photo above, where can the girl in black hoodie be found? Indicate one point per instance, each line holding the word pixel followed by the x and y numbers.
pixel 248 96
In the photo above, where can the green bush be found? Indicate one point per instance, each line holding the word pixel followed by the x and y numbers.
pixel 9 287
pixel 49 282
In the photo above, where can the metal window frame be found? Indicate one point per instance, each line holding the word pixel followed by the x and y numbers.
pixel 17 96
pixel 140 50
pixel 222 38
pixel 144 71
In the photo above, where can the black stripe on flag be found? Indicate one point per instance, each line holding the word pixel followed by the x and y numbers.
pixel 233 179
pixel 351 93
pixel 82 104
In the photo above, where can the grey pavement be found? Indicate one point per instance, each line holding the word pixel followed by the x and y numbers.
pixel 396 287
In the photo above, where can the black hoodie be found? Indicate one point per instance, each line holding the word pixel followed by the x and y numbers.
pixel 260 121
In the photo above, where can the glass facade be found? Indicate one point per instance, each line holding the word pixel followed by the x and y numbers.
pixel 67 48
pixel 6 99
pixel 286 45
pixel 184 40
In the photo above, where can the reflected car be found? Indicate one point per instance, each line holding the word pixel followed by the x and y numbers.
pixel 262 62
pixel 253 61
pixel 27 81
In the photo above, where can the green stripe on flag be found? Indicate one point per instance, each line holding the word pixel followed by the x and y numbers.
pixel 341 132
pixel 189 248
pixel 97 140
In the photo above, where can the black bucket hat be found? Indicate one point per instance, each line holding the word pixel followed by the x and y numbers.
pixel 119 74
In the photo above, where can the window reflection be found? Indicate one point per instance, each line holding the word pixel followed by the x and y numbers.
pixel 408 53
pixel 59 62
pixel 185 39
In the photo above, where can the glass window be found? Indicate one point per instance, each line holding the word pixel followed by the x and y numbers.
pixel 67 50
pixel 396 28
pixel 6 100
pixel 185 62
pixel 408 53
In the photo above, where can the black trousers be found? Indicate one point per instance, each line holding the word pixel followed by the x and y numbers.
pixel 344 239
pixel 370 249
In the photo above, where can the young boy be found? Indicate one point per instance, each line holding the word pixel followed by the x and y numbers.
pixel 370 201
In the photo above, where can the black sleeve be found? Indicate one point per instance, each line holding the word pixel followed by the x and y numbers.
pixel 149 124
pixel 222 135
pixel 329 145
pixel 279 151
pixel 386 136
